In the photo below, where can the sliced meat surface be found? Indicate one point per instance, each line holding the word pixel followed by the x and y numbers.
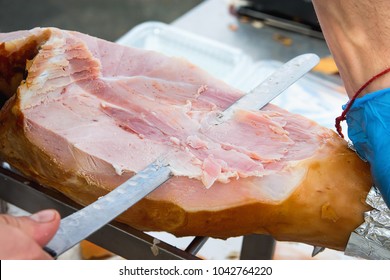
pixel 85 114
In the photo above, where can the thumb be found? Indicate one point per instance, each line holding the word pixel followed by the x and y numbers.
pixel 40 226
pixel 46 225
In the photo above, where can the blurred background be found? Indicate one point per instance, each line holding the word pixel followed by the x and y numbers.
pixel 101 18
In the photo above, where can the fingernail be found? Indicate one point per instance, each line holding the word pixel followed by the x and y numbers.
pixel 44 216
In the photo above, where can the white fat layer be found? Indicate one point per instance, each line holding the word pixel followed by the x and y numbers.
pixel 118 169
pixel 279 186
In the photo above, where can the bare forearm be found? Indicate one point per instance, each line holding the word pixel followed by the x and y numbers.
pixel 358 35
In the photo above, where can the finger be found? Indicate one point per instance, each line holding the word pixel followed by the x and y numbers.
pixel 48 222
pixel 40 226
pixel 17 245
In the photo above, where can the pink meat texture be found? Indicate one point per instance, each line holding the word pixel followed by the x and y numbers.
pixel 102 111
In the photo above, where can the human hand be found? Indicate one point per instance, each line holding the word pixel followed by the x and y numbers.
pixel 24 237
pixel 369 130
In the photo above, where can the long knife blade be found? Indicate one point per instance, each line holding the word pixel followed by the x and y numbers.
pixel 273 85
pixel 81 224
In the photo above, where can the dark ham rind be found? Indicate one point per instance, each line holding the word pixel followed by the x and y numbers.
pixel 91 113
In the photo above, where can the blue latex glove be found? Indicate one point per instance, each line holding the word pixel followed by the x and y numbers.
pixel 369 130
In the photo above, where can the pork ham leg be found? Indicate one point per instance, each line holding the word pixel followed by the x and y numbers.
pixel 83 115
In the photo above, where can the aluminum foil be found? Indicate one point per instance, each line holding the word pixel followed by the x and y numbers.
pixel 371 240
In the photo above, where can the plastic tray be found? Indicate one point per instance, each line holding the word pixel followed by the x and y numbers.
pixel 220 60
pixel 312 96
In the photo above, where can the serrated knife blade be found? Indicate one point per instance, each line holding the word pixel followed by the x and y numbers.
pixel 78 226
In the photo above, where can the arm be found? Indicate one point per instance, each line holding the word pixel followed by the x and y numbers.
pixel 358 35
pixel 24 237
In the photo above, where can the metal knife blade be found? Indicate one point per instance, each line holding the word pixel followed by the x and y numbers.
pixel 81 224
pixel 273 85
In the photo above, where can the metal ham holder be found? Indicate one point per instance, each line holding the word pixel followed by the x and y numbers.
pixel 113 235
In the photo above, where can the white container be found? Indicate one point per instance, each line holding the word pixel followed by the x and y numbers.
pixel 312 96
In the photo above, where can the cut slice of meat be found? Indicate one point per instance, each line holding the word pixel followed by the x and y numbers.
pixel 85 114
